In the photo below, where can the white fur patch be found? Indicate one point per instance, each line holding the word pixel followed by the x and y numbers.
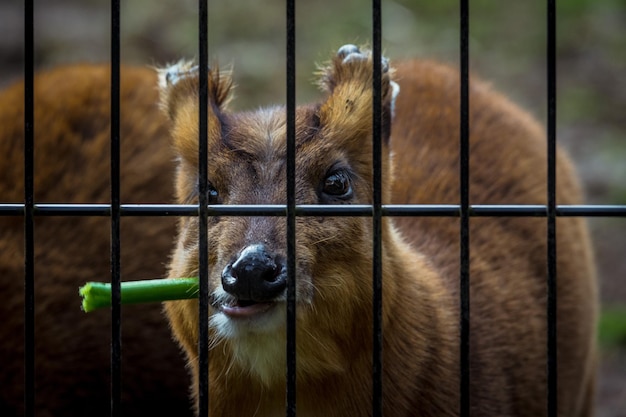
pixel 257 344
pixel 395 90
pixel 174 73
pixel 268 323
pixel 263 355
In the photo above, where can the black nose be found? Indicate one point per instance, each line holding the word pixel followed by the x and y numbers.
pixel 256 275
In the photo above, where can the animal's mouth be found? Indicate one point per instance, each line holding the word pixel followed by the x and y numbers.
pixel 246 308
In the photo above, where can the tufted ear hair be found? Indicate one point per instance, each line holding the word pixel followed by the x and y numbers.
pixel 348 80
pixel 180 82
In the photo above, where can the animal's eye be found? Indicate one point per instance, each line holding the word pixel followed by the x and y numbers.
pixel 212 194
pixel 337 185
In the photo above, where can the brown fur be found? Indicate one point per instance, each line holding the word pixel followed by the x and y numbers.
pixel 72 165
pixel 246 163
pixel 246 166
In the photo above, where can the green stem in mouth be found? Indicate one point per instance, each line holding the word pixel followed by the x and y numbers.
pixel 98 294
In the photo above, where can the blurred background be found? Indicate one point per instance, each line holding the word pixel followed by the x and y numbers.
pixel 507 48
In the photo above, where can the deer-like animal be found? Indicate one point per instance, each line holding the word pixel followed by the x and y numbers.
pixel 420 314
pixel 72 165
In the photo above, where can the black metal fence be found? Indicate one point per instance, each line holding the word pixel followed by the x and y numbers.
pixel 30 209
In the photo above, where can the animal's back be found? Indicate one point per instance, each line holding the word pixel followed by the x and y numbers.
pixel 72 166
pixel 508 272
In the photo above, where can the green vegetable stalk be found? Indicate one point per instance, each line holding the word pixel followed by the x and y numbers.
pixel 98 294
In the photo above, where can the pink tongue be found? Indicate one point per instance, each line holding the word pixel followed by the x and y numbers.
pixel 247 311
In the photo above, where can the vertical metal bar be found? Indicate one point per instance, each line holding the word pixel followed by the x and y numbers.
pixel 551 215
pixel 464 219
pixel 116 319
pixel 291 209
pixel 29 235
pixel 203 263
pixel 377 272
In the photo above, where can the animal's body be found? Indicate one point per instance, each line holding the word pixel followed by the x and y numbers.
pixel 334 254
pixel 72 349
pixel 247 271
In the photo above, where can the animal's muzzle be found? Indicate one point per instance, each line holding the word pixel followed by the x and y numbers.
pixel 256 275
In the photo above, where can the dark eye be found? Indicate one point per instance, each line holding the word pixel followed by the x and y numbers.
pixel 337 184
pixel 212 194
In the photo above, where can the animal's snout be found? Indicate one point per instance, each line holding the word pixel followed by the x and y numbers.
pixel 256 275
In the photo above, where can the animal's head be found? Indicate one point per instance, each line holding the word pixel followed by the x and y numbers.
pixel 247 255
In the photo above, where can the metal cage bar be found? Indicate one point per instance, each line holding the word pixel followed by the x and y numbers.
pixel 551 213
pixel 116 311
pixel 377 265
pixel 291 208
pixel 203 262
pixel 464 255
pixel 28 211
pixel 388 210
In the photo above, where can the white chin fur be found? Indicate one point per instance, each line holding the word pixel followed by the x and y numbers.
pixel 231 328
pixel 257 344
pixel 235 328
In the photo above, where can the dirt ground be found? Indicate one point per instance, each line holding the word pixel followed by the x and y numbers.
pixel 507 47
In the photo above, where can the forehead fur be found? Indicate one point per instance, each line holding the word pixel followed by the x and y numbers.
pixel 264 132
pixel 259 135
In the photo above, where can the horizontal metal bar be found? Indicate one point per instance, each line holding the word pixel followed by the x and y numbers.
pixel 352 210
pixel 591 211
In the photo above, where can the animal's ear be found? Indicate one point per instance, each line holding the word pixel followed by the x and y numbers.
pixel 348 78
pixel 179 90
pixel 180 82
